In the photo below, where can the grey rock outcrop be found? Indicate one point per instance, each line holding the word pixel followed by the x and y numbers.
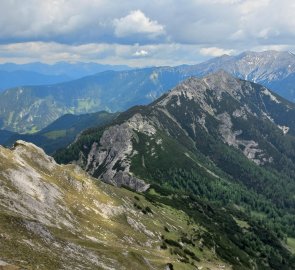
pixel 110 158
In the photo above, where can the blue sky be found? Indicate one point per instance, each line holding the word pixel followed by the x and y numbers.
pixel 142 32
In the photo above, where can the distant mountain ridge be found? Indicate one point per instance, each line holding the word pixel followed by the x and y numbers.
pixel 70 70
pixel 9 79
pixel 28 109
pixel 273 69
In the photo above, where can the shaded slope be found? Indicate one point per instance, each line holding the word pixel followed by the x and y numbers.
pixel 5 135
pixel 61 132
pixel 32 108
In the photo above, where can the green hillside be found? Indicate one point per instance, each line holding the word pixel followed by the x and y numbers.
pixel 31 108
pixel 217 139
pixel 61 132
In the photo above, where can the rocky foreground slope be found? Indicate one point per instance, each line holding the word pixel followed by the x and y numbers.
pixel 58 217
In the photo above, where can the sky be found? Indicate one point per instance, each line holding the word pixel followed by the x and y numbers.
pixel 142 32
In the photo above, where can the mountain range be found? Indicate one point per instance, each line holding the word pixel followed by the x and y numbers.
pixel 70 70
pixel 222 139
pixel 13 75
pixel 29 109
pixel 273 69
pixel 202 177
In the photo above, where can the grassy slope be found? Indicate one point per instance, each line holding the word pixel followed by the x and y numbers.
pixel 91 225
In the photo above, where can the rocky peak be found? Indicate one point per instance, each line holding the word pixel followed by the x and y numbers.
pixel 220 79
pixel 270 55
pixel 214 85
pixel 28 151
pixel 110 158
pixel 263 67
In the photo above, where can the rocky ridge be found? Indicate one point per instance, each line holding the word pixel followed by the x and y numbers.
pixel 218 104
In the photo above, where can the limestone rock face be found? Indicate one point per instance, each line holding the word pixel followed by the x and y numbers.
pixel 109 158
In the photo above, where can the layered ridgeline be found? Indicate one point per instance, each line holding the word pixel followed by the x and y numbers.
pixel 70 70
pixel 9 79
pixel 58 217
pixel 222 139
pixel 61 132
pixel 31 108
pixel 13 75
pixel 28 109
pixel 273 69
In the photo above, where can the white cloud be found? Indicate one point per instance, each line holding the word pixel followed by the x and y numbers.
pixel 141 53
pixel 137 23
pixel 214 51
pixel 51 52
pixel 249 6
pixel 169 30
pixel 133 55
pixel 238 35
pixel 118 54
pixel 277 47
pixel 226 2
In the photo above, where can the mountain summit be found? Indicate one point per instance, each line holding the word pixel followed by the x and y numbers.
pixel 273 69
pixel 262 67
pixel 216 107
pixel 219 138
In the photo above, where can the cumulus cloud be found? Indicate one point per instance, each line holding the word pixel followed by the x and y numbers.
pixel 141 53
pixel 224 1
pixel 136 22
pixel 133 55
pixel 214 51
pixel 193 29
pixel 215 22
